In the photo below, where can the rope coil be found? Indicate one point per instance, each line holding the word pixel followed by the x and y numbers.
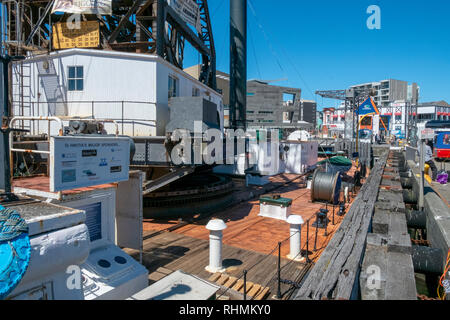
pixel 11 225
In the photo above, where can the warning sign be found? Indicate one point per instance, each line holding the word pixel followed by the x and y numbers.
pixel 84 34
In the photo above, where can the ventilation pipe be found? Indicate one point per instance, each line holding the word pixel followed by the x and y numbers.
pixel 296 237
pixel 215 227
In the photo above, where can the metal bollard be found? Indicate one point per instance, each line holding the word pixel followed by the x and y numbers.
pixel 333 214
pixel 307 241
pixel 245 285
pixel 341 209
pixel 346 197
pixel 315 238
pixel 279 271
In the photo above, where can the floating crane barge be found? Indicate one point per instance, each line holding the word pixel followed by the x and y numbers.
pixel 274 240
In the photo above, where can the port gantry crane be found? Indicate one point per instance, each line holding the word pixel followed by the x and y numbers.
pixel 352 99
pixel 144 26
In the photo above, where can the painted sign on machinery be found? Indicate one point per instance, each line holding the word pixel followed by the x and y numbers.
pixel 87 36
pixel 189 11
pixel 83 6
pixel 88 161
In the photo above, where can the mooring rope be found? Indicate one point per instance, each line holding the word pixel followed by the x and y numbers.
pixel 11 225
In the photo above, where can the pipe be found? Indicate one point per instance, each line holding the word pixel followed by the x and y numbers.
pixel 427 260
pixel 5 176
pixel 215 226
pixel 238 64
pixel 416 219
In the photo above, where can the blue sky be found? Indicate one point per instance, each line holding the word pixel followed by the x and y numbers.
pixel 325 44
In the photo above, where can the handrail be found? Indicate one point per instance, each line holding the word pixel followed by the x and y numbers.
pixel 100 105
pixel 19 118
pixel 11 150
pixel 93 101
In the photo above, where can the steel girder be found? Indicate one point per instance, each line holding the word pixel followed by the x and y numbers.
pixel 145 26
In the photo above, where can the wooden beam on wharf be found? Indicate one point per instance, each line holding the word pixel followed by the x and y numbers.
pixel 336 273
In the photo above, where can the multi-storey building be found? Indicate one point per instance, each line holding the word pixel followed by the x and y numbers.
pixel 268 106
pixel 393 99
pixel 388 91
pixel 396 117
pixel 271 106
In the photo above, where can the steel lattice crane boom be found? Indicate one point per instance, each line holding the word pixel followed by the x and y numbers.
pixel 143 26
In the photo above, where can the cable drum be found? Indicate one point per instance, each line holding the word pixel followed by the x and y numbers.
pixel 326 186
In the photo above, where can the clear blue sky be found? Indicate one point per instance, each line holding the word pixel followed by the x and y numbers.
pixel 325 44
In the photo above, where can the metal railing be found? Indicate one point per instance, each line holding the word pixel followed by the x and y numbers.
pixel 102 110
pixel 12 149
pixel 309 247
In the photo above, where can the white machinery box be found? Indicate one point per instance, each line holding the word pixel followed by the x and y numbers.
pixel 275 207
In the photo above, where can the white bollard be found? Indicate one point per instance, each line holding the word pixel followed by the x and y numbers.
pixel 215 227
pixel 296 238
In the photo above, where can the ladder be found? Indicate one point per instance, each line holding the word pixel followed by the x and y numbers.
pixel 21 103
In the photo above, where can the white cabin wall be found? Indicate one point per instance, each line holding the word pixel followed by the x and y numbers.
pixel 108 79
pixel 111 77
pixel 117 79
pixel 185 88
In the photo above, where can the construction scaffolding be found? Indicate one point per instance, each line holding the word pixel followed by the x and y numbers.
pixel 352 99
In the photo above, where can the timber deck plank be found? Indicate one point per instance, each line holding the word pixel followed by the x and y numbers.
pixel 172 251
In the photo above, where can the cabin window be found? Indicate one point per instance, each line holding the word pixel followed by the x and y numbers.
pixel 75 78
pixel 195 92
pixel 173 87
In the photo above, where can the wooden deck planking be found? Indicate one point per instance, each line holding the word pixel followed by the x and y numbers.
pixel 171 251
pixel 247 240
